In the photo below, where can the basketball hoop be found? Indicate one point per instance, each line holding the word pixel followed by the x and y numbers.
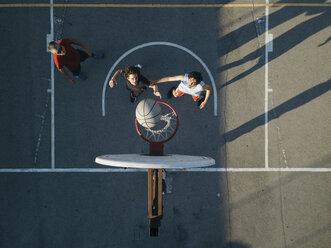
pixel 162 132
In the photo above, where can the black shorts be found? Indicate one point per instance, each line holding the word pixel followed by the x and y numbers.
pixel 83 57
pixel 77 71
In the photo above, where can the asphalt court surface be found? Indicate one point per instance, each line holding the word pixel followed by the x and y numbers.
pixel 280 209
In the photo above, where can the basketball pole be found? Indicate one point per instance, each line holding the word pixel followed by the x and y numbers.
pixel 155 204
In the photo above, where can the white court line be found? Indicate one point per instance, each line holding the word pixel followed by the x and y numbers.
pixel 52 92
pixel 266 107
pixel 111 170
pixel 158 43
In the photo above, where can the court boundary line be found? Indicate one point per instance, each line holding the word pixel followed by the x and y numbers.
pixel 229 5
pixel 209 170
pixel 266 84
pixel 52 92
pixel 157 43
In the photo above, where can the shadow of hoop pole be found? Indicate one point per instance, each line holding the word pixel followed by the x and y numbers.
pixel 158 43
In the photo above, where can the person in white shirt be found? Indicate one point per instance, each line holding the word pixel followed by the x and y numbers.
pixel 191 84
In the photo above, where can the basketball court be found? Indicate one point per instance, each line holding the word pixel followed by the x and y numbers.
pixel 266 125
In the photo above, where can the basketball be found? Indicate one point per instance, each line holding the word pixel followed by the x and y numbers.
pixel 148 113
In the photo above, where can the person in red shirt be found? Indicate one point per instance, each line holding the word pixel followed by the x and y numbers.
pixel 65 55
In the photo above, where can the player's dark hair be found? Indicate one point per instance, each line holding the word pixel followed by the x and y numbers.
pixel 51 45
pixel 196 75
pixel 131 70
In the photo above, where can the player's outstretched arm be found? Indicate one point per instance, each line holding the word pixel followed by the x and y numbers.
pixel 170 79
pixel 156 90
pixel 113 78
pixel 208 90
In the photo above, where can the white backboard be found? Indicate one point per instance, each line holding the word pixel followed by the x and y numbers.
pixel 143 161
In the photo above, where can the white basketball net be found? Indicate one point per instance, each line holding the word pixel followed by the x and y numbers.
pixel 169 120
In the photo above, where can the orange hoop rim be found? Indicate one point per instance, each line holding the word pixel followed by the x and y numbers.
pixel 161 141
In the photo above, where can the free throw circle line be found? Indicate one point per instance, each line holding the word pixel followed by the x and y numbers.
pixel 158 43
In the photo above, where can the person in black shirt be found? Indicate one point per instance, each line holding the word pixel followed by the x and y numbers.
pixel 135 82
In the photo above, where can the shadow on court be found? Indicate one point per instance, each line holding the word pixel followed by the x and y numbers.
pixel 276 112
pixel 283 43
